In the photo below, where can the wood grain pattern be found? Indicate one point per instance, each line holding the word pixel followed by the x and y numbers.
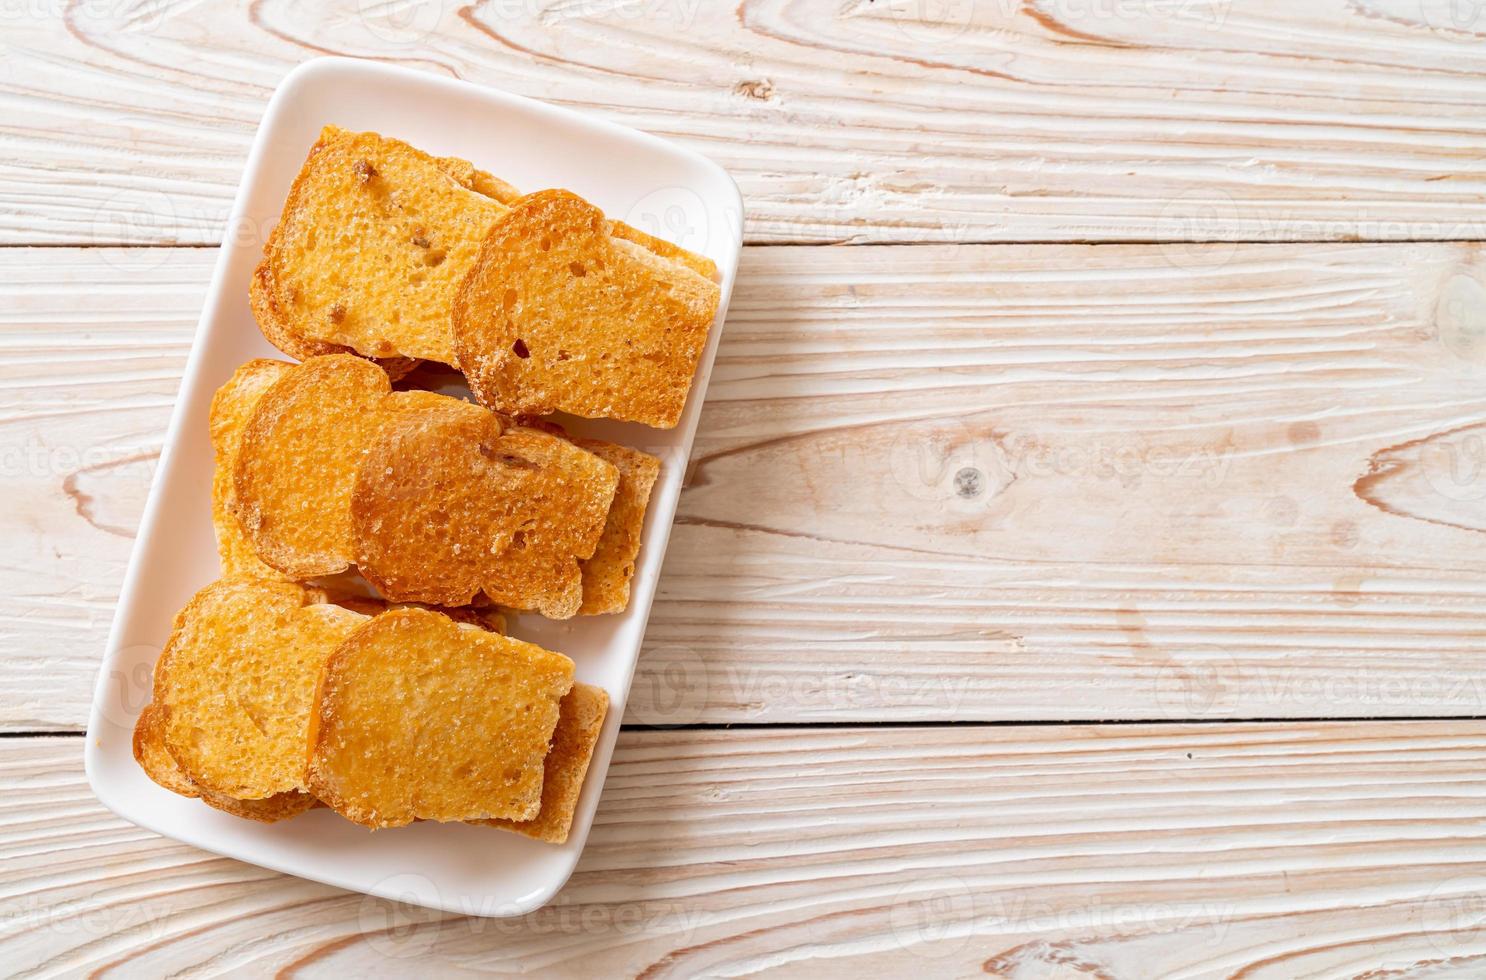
pixel 900 120
pixel 1254 851
pixel 931 483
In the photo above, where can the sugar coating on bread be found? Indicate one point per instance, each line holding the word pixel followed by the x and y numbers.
pixel 232 406
pixel 606 576
pixel 558 314
pixel 236 680
pixel 448 503
pixel 374 239
pixel 418 717
pixel 297 463
pixel 280 332
pixel 580 720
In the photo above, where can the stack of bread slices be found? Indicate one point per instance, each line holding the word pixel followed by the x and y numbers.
pixel 353 654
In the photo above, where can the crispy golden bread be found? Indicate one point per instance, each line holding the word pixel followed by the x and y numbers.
pixel 418 717
pixel 159 765
pixel 150 753
pixel 235 682
pixel 297 463
pixel 232 406
pixel 281 333
pixel 558 314
pixel 447 505
pixel 272 809
pixel 606 576
pixel 699 264
pixel 580 720
pixel 373 241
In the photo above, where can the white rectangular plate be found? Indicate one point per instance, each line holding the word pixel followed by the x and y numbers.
pixel 654 185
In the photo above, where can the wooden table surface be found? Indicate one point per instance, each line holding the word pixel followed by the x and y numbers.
pixel 1080 574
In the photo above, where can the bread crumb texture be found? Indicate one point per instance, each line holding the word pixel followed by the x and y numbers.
pixel 373 241
pixel 606 576
pixel 234 685
pixel 418 717
pixel 561 314
pixel 434 499
pixel 580 721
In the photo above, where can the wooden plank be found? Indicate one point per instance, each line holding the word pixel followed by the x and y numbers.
pixel 1260 851
pixel 901 120
pixel 932 483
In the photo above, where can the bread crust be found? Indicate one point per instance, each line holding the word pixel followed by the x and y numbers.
pixel 580 722
pixel 294 471
pixel 374 238
pixel 559 314
pixel 263 301
pixel 449 505
pixel 607 574
pixel 417 717
pixel 233 686
pixel 232 406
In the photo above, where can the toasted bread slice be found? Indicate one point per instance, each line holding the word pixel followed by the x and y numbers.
pixel 232 406
pixel 281 333
pixel 580 720
pixel 606 576
pixel 159 765
pixel 558 314
pixel 374 239
pixel 297 463
pixel 418 717
pixel 236 680
pixel 446 504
